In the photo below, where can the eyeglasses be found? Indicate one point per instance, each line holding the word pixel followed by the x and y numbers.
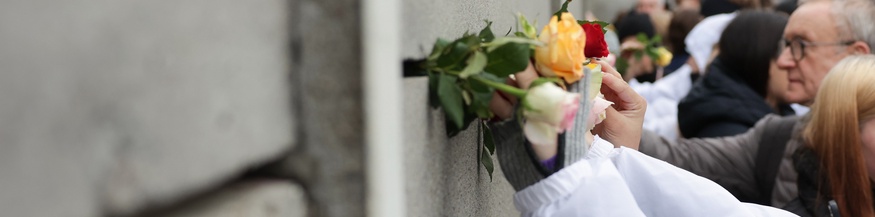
pixel 797 46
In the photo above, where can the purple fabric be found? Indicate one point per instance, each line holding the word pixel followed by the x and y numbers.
pixel 549 163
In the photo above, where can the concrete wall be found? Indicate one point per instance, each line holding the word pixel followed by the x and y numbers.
pixel 113 107
pixel 444 175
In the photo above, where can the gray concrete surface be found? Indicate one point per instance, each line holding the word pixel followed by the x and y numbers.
pixel 425 20
pixel 108 107
pixel 444 175
pixel 329 162
pixel 253 198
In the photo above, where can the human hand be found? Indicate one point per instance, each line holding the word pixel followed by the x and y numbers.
pixel 625 118
pixel 502 104
pixel 636 66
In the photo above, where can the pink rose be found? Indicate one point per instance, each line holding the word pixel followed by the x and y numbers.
pixel 551 110
pixel 597 114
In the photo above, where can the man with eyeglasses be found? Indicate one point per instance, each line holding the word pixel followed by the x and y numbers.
pixel 757 166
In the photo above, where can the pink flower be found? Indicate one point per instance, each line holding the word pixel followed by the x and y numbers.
pixel 597 114
pixel 550 111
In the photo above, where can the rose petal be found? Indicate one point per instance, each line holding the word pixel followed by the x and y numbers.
pixel 597 113
pixel 540 133
pixel 570 106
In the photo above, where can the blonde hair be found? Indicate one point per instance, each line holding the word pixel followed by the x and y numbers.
pixel 846 97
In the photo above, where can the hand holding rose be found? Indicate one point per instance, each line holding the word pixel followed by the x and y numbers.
pixel 625 118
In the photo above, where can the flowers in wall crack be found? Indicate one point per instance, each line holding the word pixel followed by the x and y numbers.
pixel 465 72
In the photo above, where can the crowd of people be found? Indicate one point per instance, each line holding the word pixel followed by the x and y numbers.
pixel 768 109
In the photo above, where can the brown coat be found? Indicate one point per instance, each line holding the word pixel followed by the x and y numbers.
pixel 729 161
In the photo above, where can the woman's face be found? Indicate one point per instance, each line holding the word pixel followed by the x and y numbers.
pixel 777 82
pixel 867 133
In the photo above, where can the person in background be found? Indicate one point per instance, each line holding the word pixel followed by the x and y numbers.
pixel 643 68
pixel 836 164
pixel 757 166
pixel 681 24
pixel 743 83
pixel 693 5
pixel 787 6
pixel 664 94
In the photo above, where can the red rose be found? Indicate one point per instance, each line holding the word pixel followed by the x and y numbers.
pixel 595 41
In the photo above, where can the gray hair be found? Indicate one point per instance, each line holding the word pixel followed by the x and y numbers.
pixel 854 18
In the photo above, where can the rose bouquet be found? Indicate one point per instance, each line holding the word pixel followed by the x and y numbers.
pixel 464 74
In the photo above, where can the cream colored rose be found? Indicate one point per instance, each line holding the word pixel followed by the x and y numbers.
pixel 562 56
pixel 551 110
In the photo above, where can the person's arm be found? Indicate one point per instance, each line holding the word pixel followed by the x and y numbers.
pixel 729 161
pixel 722 129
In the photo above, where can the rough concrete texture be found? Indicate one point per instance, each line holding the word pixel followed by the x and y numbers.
pixel 111 106
pixel 425 20
pixel 258 198
pixel 329 162
pixel 444 175
pixel 608 10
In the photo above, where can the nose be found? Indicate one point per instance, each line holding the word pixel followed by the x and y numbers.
pixel 785 60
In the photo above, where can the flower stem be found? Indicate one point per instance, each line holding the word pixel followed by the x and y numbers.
pixel 502 87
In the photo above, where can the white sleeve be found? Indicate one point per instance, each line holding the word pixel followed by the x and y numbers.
pixel 624 182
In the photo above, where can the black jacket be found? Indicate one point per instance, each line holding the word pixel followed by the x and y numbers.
pixel 721 104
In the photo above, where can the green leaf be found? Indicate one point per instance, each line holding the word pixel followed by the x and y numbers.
pixel 438 48
pixel 487 138
pixel 482 94
pixel 476 62
pixel 528 30
pixel 564 8
pixel 650 51
pixel 638 54
pixel 457 51
pixel 504 40
pixel 486 34
pixel 454 53
pixel 451 99
pixel 642 38
pixel 466 97
pixel 543 80
pixel 656 40
pixel 622 65
pixel 487 162
pixel 453 130
pixel 472 41
pixel 433 100
pixel 508 59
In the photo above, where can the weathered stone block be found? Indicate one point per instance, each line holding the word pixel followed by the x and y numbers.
pixel 329 160
pixel 424 20
pixel 254 198
pixel 111 106
pixel 444 175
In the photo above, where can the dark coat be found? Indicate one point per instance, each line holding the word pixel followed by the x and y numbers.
pixel 721 104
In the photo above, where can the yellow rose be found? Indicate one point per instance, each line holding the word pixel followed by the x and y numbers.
pixel 664 57
pixel 562 55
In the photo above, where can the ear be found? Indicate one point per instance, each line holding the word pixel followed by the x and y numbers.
pixel 860 48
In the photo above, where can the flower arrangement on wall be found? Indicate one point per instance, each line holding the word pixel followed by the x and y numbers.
pixel 465 72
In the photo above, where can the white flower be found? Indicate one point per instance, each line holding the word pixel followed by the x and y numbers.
pixel 549 110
